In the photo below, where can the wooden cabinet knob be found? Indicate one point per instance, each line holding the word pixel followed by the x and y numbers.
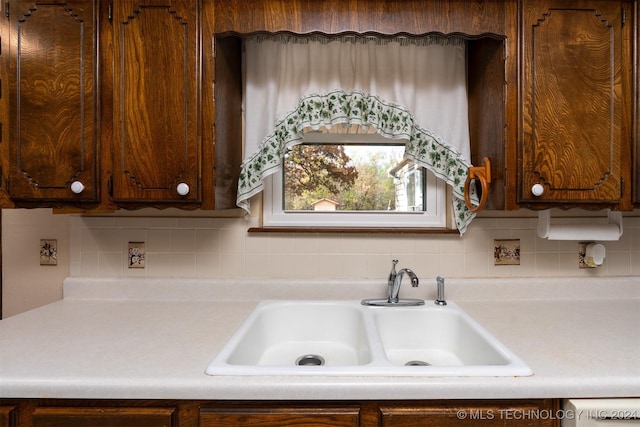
pixel 183 189
pixel 77 187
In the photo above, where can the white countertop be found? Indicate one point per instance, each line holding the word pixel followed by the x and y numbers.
pixel 153 339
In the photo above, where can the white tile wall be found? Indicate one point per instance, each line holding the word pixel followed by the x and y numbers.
pixel 222 248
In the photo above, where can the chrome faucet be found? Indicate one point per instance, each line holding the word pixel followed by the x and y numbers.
pixel 393 284
pixel 397 281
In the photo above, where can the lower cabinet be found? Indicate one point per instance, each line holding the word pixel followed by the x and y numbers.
pixel 469 413
pixel 104 417
pixel 432 413
pixel 285 414
pixel 7 416
pixel 98 413
pixel 186 413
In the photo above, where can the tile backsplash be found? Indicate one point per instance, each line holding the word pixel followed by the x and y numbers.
pixel 222 248
pixel 196 247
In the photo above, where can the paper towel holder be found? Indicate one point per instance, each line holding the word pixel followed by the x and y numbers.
pixel 596 232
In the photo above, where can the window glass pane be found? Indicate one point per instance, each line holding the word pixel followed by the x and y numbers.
pixel 321 177
pixel 411 197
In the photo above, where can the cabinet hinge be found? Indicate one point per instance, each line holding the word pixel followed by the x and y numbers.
pixel 110 12
pixel 624 16
pixel 110 185
pixel 621 188
pixel 6 10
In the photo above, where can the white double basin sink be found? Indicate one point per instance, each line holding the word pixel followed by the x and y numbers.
pixel 348 339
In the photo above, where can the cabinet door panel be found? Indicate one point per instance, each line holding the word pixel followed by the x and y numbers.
pixel 469 415
pixel 156 85
pixel 104 417
pixel 280 416
pixel 53 84
pixel 7 416
pixel 573 139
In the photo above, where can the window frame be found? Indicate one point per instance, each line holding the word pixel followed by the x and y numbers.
pixel 435 216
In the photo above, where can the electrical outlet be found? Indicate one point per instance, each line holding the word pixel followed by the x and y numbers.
pixel 136 255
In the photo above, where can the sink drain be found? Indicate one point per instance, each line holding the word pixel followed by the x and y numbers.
pixel 310 360
pixel 417 363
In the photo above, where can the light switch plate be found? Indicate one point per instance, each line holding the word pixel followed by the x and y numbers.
pixel 137 255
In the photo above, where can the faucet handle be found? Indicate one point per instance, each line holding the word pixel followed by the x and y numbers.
pixel 440 291
pixel 392 273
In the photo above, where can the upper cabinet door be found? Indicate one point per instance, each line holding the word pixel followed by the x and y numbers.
pixel 575 118
pixel 156 86
pixel 53 120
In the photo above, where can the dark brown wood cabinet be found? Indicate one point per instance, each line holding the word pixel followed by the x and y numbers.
pixel 140 100
pixel 157 120
pixel 284 415
pixel 104 417
pixel 194 413
pixel 636 121
pixel 51 103
pixel 7 416
pixel 101 105
pixel 576 117
pixel 518 413
pixel 98 413
pixel 469 413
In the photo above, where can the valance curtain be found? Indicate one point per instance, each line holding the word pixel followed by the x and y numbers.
pixel 411 89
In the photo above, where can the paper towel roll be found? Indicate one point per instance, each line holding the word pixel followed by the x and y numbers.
pixel 597 232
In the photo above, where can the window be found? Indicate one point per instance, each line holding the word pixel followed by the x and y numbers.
pixel 410 89
pixel 352 180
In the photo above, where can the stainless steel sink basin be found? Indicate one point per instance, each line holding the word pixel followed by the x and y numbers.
pixel 346 338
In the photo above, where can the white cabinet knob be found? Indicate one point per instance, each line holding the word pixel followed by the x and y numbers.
pixel 77 187
pixel 537 190
pixel 183 189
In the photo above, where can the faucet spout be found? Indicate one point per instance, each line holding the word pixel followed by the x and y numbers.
pixel 394 290
pixel 394 282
